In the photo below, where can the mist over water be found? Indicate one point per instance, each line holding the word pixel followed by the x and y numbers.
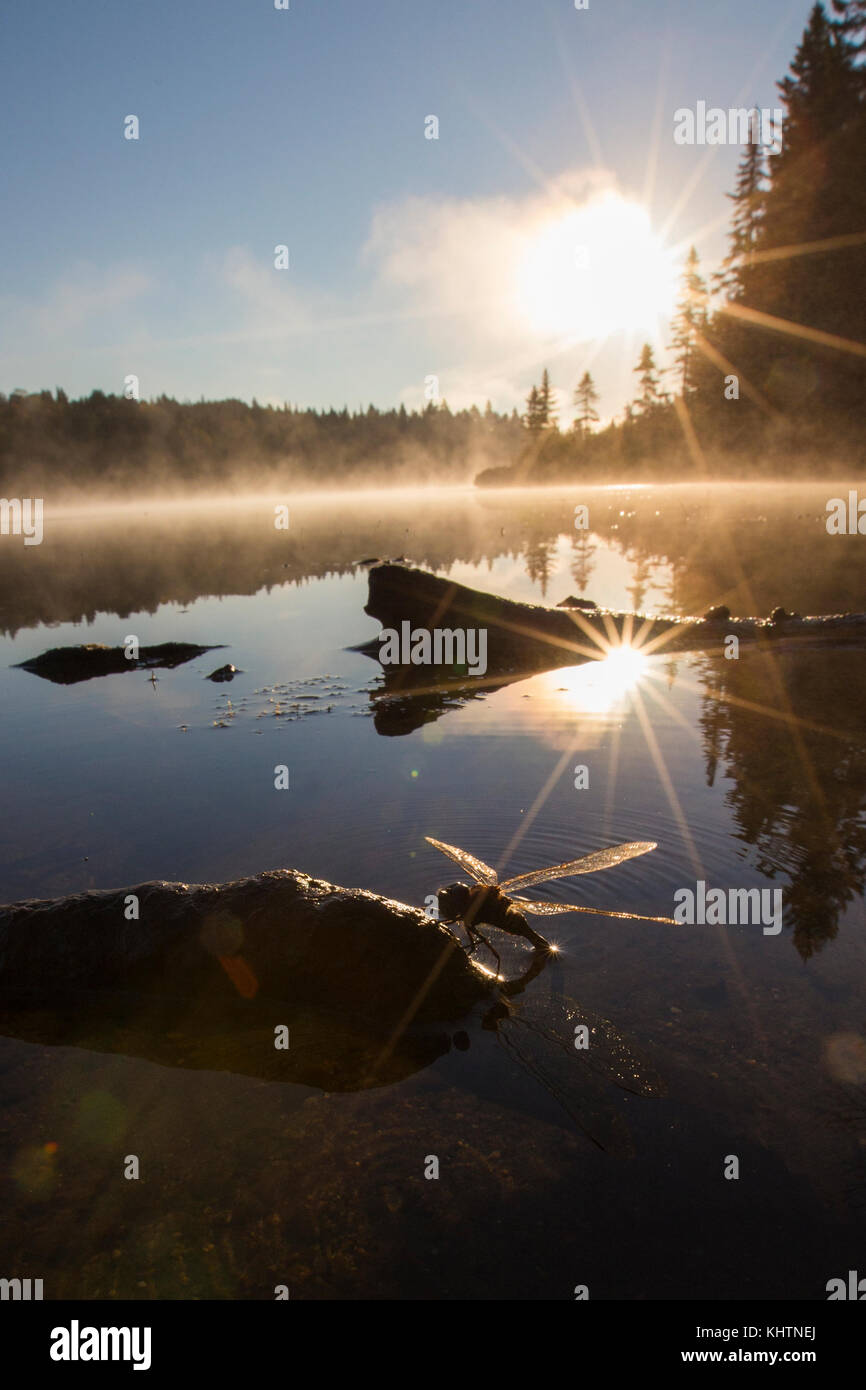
pixel 747 773
pixel 748 547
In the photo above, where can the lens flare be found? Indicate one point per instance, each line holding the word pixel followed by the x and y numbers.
pixel 598 686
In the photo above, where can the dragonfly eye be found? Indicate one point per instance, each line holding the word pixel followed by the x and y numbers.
pixel 453 900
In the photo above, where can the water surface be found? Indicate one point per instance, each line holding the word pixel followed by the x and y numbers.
pixel 748 773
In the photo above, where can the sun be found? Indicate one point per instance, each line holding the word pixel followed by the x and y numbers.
pixel 596 270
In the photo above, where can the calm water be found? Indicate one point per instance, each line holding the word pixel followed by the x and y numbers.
pixel 748 773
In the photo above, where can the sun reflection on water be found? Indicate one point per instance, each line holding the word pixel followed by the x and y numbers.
pixel 598 686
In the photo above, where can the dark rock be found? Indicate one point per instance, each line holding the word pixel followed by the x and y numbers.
pixel 720 614
pixel 294 937
pixel 224 673
pixel 68 665
pixel 209 972
pixel 571 602
pixel 356 989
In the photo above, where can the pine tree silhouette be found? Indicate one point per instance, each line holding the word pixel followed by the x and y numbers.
pixel 585 399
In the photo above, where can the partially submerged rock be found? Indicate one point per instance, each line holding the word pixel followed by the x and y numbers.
pixel 361 986
pixel 224 673
pixel 68 665
pixel 281 936
pixel 292 979
pixel 572 602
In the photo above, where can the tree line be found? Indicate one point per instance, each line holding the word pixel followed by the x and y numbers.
pixel 768 359
pixel 106 443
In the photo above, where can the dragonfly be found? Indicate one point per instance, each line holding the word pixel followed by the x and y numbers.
pixel 495 904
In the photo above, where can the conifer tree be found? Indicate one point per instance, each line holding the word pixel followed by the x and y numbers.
pixel 852 25
pixel 585 399
pixel 821 97
pixel 817 195
pixel 650 396
pixel 546 403
pixel 690 321
pixel 748 199
pixel 533 416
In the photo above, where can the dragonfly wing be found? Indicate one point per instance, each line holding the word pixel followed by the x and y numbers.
pixel 588 864
pixel 542 909
pixel 481 872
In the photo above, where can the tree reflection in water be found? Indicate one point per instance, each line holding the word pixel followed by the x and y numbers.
pixel 789 731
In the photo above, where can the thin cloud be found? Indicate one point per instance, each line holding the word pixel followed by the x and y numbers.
pixel 460 258
pixel 464 268
pixel 80 298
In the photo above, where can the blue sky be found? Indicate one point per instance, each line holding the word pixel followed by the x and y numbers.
pixel 306 127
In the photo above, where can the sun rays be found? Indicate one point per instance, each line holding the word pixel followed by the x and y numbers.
pixel 598 686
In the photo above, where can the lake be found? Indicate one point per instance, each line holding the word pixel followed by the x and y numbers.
pixel 748 773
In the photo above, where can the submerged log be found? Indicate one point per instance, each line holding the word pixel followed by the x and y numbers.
pixel 523 638
pixel 68 665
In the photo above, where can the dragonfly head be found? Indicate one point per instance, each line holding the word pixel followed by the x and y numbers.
pixel 453 901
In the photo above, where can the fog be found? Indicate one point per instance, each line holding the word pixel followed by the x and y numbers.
pixel 101 449
pixel 749 546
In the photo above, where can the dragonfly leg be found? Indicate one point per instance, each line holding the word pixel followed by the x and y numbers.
pixel 455 921
pixel 473 932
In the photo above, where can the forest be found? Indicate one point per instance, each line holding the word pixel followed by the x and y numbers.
pixel 768 372
pixel 111 445
pixel 769 356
